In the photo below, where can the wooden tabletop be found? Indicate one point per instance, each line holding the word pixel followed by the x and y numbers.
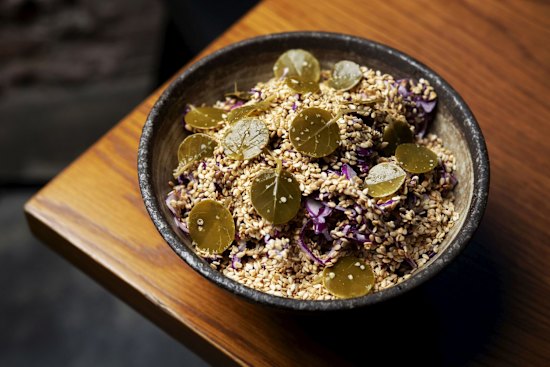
pixel 490 307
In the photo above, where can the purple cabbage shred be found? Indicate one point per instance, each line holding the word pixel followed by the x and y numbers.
pixel 352 233
pixel 171 196
pixel 181 225
pixel 361 237
pixel 418 111
pixel 304 247
pixel 365 152
pixel 236 259
pixel 237 104
pixel 348 172
pixel 317 210
pixel 411 262
pixel 385 205
pixel 185 178
pixel 346 229
pixel 363 161
pixel 364 167
pixel 442 173
pixel 319 213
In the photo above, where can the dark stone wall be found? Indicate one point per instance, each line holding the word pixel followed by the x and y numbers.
pixel 62 43
pixel 69 68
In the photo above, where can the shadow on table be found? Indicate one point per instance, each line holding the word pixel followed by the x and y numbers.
pixel 447 321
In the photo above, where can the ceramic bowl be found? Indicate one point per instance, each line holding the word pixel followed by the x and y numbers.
pixel 252 60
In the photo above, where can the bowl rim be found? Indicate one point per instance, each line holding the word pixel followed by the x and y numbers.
pixel 474 215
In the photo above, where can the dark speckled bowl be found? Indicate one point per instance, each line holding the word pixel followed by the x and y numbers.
pixel 250 61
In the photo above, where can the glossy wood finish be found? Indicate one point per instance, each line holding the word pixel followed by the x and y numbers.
pixel 489 308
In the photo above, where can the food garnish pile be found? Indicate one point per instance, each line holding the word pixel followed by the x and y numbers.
pixel 317 184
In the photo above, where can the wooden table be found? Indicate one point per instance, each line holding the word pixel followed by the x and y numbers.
pixel 491 307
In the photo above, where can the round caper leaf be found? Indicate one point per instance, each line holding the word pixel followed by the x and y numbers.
pixel 297 64
pixel 415 158
pixel 239 113
pixel 276 196
pixel 349 277
pixel 244 111
pixel 204 117
pixel 245 139
pixel 238 94
pixel 396 132
pixel 314 133
pixel 300 86
pixel 211 226
pixel 265 104
pixel 345 75
pixel 195 147
pixel 384 179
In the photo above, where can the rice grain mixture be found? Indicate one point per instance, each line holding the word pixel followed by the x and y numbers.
pixel 394 234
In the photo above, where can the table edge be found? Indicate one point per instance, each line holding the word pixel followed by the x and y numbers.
pixel 140 302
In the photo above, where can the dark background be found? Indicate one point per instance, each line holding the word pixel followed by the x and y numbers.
pixel 69 70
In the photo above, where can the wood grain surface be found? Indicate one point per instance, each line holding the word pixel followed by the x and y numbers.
pixel 490 307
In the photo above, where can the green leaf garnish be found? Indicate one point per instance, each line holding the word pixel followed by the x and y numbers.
pixel 415 158
pixel 384 179
pixel 246 138
pixel 297 64
pixel 204 117
pixel 349 277
pixel 315 133
pixel 211 226
pixel 276 195
pixel 194 148
pixel 345 75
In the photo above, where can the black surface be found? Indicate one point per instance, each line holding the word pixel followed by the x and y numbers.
pixel 193 24
pixel 53 315
pixel 153 166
